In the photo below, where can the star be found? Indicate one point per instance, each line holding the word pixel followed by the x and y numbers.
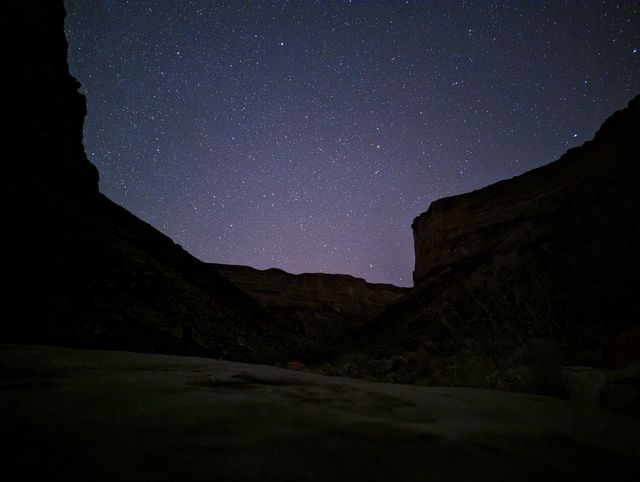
pixel 201 123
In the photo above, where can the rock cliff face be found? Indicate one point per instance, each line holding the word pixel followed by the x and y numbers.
pixel 564 237
pixel 43 108
pixel 344 294
pixel 319 307
pixel 579 206
pixel 78 269
pixel 551 255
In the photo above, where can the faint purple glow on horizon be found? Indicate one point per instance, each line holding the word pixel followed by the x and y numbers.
pixel 307 136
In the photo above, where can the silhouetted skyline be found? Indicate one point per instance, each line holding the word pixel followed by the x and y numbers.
pixel 308 135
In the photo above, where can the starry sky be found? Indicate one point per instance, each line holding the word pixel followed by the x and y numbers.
pixel 307 135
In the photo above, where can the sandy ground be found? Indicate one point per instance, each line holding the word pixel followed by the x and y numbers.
pixel 100 415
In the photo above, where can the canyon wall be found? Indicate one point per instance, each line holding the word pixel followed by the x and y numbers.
pixel 549 258
pixel 344 294
pixel 78 269
pixel 320 307
pixel 566 234
pixel 579 206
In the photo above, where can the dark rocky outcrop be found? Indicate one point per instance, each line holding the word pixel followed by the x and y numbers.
pixel 80 270
pixel 76 268
pixel 548 259
pixel 319 307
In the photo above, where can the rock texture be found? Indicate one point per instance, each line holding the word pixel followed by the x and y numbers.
pixel 78 269
pixel 319 307
pixel 95 415
pixel 615 390
pixel 548 259
pixel 573 211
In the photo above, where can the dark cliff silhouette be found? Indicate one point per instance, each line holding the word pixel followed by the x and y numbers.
pixel 541 269
pixel 320 308
pixel 78 269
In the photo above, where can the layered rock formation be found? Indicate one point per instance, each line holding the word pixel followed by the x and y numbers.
pixel 78 269
pixel 319 307
pixel 551 257
pixel 589 195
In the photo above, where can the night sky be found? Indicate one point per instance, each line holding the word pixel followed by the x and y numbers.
pixel 307 135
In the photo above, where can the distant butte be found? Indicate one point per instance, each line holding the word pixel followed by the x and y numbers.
pixel 319 307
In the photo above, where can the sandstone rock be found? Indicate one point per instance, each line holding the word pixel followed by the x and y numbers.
pixel 585 385
pixel 552 254
pixel 617 390
pixel 399 363
pixel 98 415
pixel 379 368
pixel 557 246
pixel 320 307
pixel 341 293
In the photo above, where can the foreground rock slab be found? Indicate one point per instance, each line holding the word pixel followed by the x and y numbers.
pixel 99 415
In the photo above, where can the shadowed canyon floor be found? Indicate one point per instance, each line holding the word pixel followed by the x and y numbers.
pixel 102 415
